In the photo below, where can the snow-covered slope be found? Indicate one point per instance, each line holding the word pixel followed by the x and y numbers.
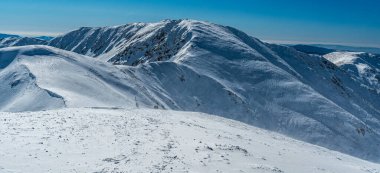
pixel 20 41
pixel 129 44
pixel 363 67
pixel 198 66
pixel 222 71
pixel 33 76
pixel 19 92
pixel 97 41
pixel 143 140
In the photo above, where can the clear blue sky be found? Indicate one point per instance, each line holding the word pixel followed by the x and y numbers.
pixel 351 22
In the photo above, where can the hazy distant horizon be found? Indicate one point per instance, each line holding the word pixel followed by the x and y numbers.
pixel 50 34
pixel 323 21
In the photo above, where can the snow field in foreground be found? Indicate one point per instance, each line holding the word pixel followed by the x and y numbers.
pixel 143 140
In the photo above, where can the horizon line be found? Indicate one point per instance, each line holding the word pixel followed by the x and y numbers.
pixel 55 34
pixel 292 42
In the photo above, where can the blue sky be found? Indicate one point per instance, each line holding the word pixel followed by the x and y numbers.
pixel 350 22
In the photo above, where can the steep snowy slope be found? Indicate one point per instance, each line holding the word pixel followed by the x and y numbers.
pixel 42 77
pixel 363 67
pixel 20 41
pixel 198 66
pixel 97 41
pixel 143 140
pixel 222 71
pixel 129 44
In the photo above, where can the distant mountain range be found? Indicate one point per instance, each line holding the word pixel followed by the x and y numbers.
pixel 7 35
pixel 46 38
pixel 373 50
pixel 315 50
pixel 20 41
pixel 7 40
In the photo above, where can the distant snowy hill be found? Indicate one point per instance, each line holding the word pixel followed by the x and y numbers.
pixel 20 41
pixel 373 50
pixel 363 67
pixel 7 35
pixel 197 66
pixel 322 48
pixel 143 140
pixel 313 50
pixel 46 38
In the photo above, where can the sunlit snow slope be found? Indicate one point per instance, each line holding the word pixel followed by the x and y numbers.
pixel 198 66
pixel 143 140
pixel 42 77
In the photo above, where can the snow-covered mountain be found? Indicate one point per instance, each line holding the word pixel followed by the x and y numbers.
pixel 363 67
pixel 197 66
pixel 143 140
pixel 20 41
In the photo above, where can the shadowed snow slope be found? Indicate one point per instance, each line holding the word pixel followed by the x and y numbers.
pixel 143 140
pixel 198 66
pixel 20 41
pixel 7 35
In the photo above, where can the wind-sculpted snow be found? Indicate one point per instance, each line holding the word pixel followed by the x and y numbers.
pixel 76 80
pixel 144 140
pixel 198 66
pixel 20 92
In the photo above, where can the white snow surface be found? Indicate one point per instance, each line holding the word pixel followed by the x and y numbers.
pixel 144 140
pixel 197 66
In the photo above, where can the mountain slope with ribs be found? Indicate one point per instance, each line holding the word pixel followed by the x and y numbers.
pixel 199 66
pixel 363 67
